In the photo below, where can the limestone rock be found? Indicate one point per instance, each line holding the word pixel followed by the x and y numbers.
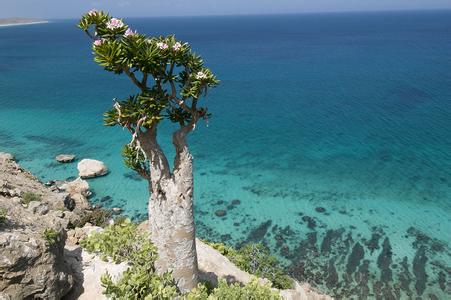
pixel 74 236
pixel 88 269
pixel 78 191
pixel 89 168
pixel 6 156
pixel 116 210
pixel 65 158
pixel 31 265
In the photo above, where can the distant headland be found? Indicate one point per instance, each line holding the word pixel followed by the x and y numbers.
pixel 20 21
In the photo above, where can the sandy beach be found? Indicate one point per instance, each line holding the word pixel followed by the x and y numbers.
pixel 23 23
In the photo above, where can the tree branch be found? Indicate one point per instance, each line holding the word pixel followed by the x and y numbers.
pixel 134 79
pixel 159 165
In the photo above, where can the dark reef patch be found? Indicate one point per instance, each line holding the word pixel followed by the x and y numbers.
pixel 57 143
pixel 258 233
pixel 419 270
pixel 357 254
pixel 133 176
pixel 384 261
pixel 330 237
pixel 311 223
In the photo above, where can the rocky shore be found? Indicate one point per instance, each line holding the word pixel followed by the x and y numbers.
pixel 39 252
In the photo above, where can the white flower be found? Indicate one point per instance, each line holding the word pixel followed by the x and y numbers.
pixel 92 12
pixel 130 32
pixel 98 42
pixel 114 24
pixel 201 75
pixel 177 46
pixel 162 45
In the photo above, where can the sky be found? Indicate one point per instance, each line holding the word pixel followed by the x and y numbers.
pixel 145 8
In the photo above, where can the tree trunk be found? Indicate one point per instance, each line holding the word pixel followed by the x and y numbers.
pixel 171 214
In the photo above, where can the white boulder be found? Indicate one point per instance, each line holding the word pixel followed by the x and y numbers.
pixel 89 168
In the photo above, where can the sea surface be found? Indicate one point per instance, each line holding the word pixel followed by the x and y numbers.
pixel 332 133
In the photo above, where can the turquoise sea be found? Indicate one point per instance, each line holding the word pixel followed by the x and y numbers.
pixel 332 130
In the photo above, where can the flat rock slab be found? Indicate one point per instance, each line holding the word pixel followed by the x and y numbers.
pixel 65 158
pixel 89 168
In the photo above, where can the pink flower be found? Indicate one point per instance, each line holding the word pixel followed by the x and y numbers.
pixel 92 12
pixel 130 32
pixel 177 46
pixel 98 43
pixel 114 24
pixel 162 46
pixel 201 75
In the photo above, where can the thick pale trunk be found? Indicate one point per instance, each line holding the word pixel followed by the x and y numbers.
pixel 171 216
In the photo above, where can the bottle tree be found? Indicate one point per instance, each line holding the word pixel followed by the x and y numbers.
pixel 171 81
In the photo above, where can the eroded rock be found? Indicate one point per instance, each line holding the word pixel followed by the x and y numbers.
pixel 65 158
pixel 89 168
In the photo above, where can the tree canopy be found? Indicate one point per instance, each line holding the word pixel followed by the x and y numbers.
pixel 171 79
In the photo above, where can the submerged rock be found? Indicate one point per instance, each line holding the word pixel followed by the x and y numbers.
pixel 65 158
pixel 320 209
pixel 220 213
pixel 89 168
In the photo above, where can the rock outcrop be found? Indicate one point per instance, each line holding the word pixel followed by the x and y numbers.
pixel 89 168
pixel 32 237
pixel 78 190
pixel 65 158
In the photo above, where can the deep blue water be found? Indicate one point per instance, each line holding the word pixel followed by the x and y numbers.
pixel 333 131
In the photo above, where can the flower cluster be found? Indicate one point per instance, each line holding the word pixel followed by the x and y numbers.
pixel 130 32
pixel 177 46
pixel 92 12
pixel 201 75
pixel 114 24
pixel 162 46
pixel 98 43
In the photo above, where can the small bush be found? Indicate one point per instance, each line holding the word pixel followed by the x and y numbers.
pixel 122 242
pixel 251 291
pixel 256 259
pixel 29 196
pixel 3 213
pixel 97 217
pixel 51 236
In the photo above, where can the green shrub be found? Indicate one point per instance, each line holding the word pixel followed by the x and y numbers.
pixel 251 291
pixel 117 242
pixel 3 213
pixel 256 259
pixel 122 242
pixel 97 217
pixel 51 236
pixel 29 196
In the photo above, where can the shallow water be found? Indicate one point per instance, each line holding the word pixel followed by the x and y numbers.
pixel 332 131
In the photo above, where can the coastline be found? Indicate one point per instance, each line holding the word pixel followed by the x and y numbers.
pixel 23 23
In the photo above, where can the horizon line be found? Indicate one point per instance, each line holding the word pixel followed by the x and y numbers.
pixel 265 14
